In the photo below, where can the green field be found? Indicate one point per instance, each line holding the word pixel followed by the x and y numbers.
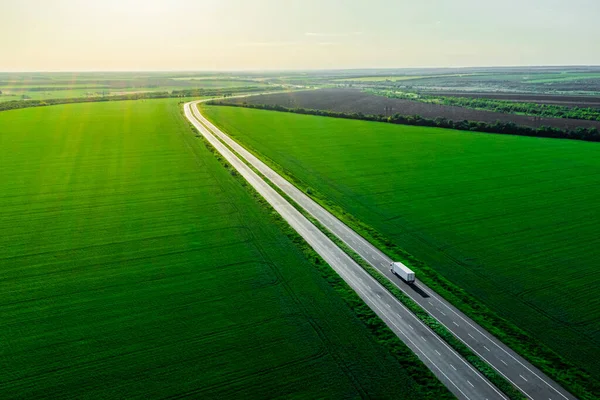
pixel 512 220
pixel 19 93
pixel 563 77
pixel 134 265
pixel 39 86
pixel 395 78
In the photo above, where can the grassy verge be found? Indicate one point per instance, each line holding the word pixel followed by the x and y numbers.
pixel 431 387
pixel 572 378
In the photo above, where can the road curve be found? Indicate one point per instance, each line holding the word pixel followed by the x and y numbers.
pixel 527 378
pixel 452 370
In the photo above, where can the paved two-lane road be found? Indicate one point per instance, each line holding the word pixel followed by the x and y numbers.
pixel 532 382
pixel 452 370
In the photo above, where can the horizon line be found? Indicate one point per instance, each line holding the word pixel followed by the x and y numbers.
pixel 303 69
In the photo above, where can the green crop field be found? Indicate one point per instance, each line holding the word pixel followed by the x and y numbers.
pixel 40 86
pixel 134 265
pixel 564 77
pixel 393 78
pixel 512 220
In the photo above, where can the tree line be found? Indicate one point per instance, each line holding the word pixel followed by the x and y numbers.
pixel 507 128
pixel 18 104
pixel 501 106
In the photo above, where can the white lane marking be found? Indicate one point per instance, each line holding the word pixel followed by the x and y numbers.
pixel 438 353
pixel 469 382
pixel 525 379
pixel 378 295
pixel 423 338
pixel 485 347
pixel 471 336
pixel 422 352
pixel 399 316
pixel 504 362
pixel 455 323
pixel 502 349
pixel 425 355
pixel 453 367
pixel 430 303
pixel 443 313
pixel 387 305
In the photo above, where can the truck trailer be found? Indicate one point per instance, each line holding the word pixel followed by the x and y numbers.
pixel 402 271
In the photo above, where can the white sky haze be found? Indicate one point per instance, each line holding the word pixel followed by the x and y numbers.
pixel 70 35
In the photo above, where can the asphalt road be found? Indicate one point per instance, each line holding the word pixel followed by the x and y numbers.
pixel 452 370
pixel 531 381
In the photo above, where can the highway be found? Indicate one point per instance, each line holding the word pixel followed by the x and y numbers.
pixel 527 378
pixel 453 371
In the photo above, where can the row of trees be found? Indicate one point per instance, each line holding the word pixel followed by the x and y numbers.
pixel 507 128
pixel 222 92
pixel 542 110
pixel 17 104
pixel 503 106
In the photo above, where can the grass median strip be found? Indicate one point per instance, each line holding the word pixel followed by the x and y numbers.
pixel 431 322
pixel 431 386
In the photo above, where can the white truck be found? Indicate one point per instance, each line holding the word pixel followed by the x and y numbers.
pixel 402 271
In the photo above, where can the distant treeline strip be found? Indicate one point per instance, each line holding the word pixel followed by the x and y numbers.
pixel 502 106
pixel 51 88
pixel 18 104
pixel 506 128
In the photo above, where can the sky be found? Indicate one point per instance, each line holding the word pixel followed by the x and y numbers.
pixel 119 35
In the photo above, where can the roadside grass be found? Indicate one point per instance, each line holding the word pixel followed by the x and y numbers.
pixel 454 206
pixel 132 264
